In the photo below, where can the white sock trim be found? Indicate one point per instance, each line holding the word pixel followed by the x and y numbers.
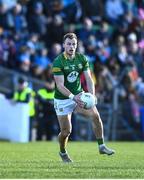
pixel 63 153
pixel 101 145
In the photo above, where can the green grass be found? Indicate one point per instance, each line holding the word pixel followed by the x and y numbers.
pixel 41 160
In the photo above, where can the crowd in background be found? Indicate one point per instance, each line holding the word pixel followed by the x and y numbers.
pixel 110 34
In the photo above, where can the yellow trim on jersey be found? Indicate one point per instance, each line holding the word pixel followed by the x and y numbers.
pixel 56 69
pixel 65 55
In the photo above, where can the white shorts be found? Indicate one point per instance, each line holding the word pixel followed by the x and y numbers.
pixel 64 106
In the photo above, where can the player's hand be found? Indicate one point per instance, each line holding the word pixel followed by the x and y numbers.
pixel 77 99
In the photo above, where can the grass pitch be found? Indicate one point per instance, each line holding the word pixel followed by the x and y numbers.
pixel 41 160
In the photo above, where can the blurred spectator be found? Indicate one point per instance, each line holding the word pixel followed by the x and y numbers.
pixel 24 60
pixel 9 3
pixel 81 47
pixel 41 59
pixel 45 112
pixel 122 56
pixel 55 30
pixel 104 31
pixel 114 9
pixel 94 9
pixel 4 19
pixel 86 30
pixel 103 52
pixel 24 94
pixel 134 52
pixel 37 21
pixel 17 21
pixel 120 41
pixel 37 72
pixel 55 50
pixel 130 5
pixel 53 7
pixel 72 11
pixel 70 28
pixel 90 47
pixel 48 74
pixel 7 50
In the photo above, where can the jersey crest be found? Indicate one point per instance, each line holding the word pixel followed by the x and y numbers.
pixel 72 77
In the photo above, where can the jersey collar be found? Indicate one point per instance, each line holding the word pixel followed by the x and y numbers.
pixel 65 55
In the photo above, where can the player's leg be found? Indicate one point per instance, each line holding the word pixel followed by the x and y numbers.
pixel 97 127
pixel 64 109
pixel 65 130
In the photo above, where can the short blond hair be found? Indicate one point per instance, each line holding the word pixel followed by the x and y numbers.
pixel 70 36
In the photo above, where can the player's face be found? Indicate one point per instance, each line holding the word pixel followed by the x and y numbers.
pixel 70 46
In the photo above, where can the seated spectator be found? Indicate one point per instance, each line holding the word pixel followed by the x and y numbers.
pixel 48 75
pixel 55 30
pixel 94 9
pixel 122 56
pixel 103 52
pixel 72 11
pixel 114 9
pixel 53 7
pixel 120 41
pixel 103 31
pixel 37 21
pixel 4 20
pixel 91 48
pixel 86 30
pixel 34 42
pixel 127 23
pixel 17 20
pixel 135 53
pixel 140 25
pixel 55 50
pixel 9 3
pixel 37 72
pixel 130 5
pixel 7 49
pixel 42 59
pixel 70 28
pixel 24 60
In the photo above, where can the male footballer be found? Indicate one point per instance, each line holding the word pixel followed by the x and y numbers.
pixel 67 68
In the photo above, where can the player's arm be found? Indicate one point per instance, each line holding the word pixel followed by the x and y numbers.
pixel 59 79
pixel 89 81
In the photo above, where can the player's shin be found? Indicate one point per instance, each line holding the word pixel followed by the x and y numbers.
pixel 62 142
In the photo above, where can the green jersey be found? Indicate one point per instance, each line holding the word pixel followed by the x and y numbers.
pixel 71 70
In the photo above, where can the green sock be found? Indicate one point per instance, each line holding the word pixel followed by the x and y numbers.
pixel 62 150
pixel 100 141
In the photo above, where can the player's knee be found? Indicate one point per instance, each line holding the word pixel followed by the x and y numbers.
pixel 66 133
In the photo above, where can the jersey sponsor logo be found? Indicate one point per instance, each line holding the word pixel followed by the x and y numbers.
pixel 56 69
pixel 72 77
pixel 66 68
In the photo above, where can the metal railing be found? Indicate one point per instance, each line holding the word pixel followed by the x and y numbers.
pixel 8 80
